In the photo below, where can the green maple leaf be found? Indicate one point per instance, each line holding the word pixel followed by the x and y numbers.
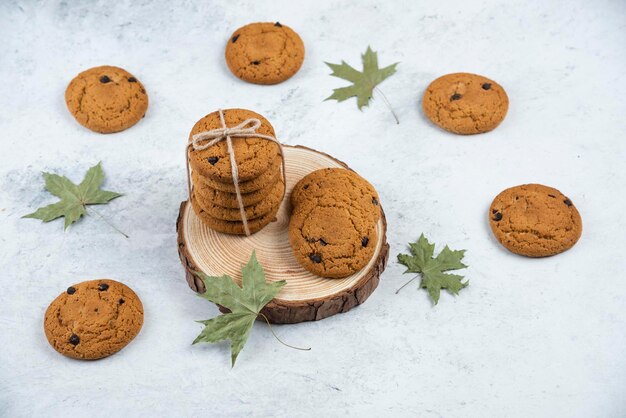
pixel 74 198
pixel 432 270
pixel 245 304
pixel 363 82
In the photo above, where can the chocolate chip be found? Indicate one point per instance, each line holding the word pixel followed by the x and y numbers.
pixel 568 202
pixel 121 301
pixel 234 38
pixel 102 287
pixel 105 79
pixel 132 80
pixel 494 210
pixel 277 24
pixel 322 242
pixel 455 96
pixel 375 201
pixel 71 290
pixel 255 62
pixel 74 340
pixel 316 258
pixel 306 186
pixel 213 160
pixel 497 216
pixel 486 86
pixel 365 241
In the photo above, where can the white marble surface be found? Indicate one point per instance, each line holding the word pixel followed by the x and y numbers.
pixel 527 338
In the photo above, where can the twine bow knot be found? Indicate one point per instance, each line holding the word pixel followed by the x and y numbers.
pixel 246 129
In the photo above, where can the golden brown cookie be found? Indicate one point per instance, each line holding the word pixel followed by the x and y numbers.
pixel 229 200
pixel 252 212
pixel 465 103
pixel 341 184
pixel 535 220
pixel 254 156
pixel 106 99
pixel 265 180
pixel 264 53
pixel 93 319
pixel 234 227
pixel 332 238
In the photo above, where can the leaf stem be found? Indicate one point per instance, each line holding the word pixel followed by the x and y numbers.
pixel 404 285
pixel 105 220
pixel 388 104
pixel 279 340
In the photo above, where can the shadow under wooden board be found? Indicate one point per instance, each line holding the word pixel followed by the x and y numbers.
pixel 305 297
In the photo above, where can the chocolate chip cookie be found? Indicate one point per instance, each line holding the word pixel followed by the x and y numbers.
pixel 535 220
pixel 465 103
pixel 264 181
pixel 106 99
pixel 234 227
pixel 254 156
pixel 341 184
pixel 93 319
pixel 332 238
pixel 264 53
pixel 267 204
pixel 225 199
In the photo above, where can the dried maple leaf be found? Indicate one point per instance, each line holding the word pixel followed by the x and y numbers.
pixel 434 279
pixel 74 198
pixel 364 82
pixel 245 304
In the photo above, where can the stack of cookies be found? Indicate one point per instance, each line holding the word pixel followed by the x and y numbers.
pixel 333 226
pixel 261 183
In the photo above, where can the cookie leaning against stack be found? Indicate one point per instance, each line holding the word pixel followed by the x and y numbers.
pixel 261 183
pixel 332 229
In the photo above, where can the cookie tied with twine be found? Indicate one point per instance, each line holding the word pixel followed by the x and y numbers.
pixel 232 146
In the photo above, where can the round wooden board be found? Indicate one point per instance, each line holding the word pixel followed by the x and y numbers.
pixel 305 297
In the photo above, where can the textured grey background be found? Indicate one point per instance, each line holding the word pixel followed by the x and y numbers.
pixel 540 338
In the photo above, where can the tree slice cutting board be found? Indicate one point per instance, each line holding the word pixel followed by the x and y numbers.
pixel 305 297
